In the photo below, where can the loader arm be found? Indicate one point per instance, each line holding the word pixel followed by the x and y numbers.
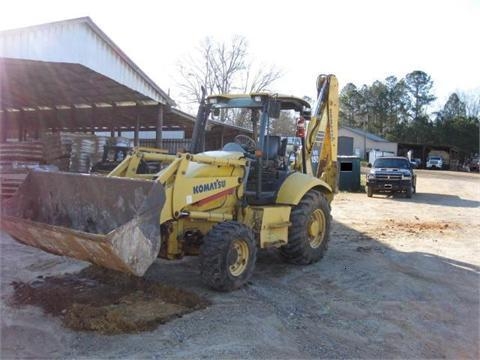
pixel 129 166
pixel 323 129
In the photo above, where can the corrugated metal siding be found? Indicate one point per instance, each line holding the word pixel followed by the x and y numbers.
pixel 74 42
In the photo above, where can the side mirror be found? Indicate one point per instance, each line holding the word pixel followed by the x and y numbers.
pixel 369 165
pixel 274 109
pixel 216 112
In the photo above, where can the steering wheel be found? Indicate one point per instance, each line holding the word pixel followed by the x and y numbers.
pixel 246 142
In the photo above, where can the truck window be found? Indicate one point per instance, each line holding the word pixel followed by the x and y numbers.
pixel 391 163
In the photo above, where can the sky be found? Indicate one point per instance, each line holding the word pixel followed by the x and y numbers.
pixel 358 41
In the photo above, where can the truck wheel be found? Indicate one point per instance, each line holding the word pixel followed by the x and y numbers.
pixel 409 192
pixel 227 256
pixel 310 230
pixel 369 191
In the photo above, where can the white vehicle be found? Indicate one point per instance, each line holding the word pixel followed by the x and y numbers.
pixel 434 162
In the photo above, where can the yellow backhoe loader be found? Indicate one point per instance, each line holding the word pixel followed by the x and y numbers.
pixel 222 205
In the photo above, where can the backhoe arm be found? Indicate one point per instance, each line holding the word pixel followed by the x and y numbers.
pixel 323 129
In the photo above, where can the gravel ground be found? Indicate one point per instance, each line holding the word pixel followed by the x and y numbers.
pixel 400 280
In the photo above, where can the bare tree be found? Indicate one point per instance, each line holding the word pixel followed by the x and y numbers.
pixel 472 103
pixel 222 67
pixel 263 77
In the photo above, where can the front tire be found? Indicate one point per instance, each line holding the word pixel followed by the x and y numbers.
pixel 227 256
pixel 310 230
pixel 369 191
pixel 409 191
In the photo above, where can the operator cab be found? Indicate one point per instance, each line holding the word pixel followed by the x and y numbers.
pixel 270 161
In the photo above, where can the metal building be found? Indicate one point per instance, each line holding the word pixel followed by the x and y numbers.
pixel 358 142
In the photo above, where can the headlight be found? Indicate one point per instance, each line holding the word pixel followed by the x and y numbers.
pixel 406 176
pixel 371 176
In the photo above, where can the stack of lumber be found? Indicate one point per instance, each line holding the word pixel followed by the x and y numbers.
pixel 9 182
pixel 18 158
pixel 30 152
pixel 15 161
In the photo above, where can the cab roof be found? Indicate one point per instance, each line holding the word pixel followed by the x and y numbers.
pixel 256 100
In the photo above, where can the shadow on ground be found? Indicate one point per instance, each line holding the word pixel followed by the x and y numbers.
pixel 432 199
pixel 445 200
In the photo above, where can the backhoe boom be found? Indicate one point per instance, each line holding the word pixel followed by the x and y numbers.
pixel 322 131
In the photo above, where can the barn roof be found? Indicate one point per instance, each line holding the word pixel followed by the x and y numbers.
pixel 70 75
pixel 368 135
pixel 73 56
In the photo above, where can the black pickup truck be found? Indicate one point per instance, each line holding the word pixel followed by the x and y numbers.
pixel 390 175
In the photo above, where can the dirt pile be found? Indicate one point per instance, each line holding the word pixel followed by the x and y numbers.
pixel 109 302
pixel 420 226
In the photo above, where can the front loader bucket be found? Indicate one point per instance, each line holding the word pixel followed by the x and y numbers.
pixel 112 222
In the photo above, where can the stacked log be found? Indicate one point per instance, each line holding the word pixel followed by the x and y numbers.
pixel 18 158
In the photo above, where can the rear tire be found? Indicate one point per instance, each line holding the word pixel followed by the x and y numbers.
pixel 227 256
pixel 369 191
pixel 310 230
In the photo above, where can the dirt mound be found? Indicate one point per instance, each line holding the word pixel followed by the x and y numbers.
pixel 418 226
pixel 110 302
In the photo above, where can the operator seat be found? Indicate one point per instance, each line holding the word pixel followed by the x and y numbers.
pixel 272 173
pixel 271 147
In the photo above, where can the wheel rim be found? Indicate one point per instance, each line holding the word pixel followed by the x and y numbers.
pixel 316 228
pixel 239 257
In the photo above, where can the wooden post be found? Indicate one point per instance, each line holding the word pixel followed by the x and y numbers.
pixel 158 137
pixel 38 125
pixel 21 127
pixel 136 140
pixel 73 117
pixel 112 120
pixel 57 123
pixel 93 119
pixel 3 125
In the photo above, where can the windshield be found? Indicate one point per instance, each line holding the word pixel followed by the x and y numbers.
pixel 392 163
pixel 435 158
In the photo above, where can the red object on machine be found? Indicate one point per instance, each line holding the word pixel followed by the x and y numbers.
pixel 301 127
